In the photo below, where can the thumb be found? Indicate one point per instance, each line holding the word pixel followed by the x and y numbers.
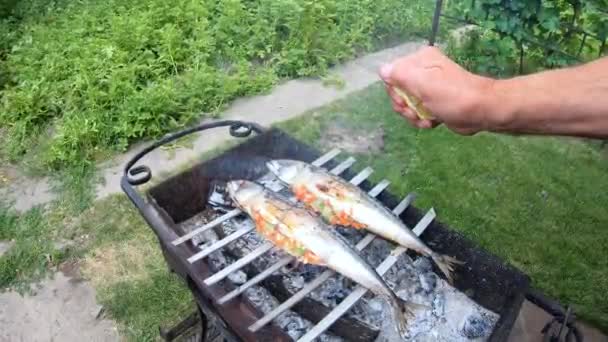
pixel 386 72
pixel 393 74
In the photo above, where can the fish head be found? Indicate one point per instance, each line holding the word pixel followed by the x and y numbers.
pixel 288 171
pixel 240 191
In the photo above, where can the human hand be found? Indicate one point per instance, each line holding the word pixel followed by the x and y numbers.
pixel 450 93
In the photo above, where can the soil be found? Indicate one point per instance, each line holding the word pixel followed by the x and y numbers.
pixel 61 308
pixel 5 246
pixel 349 139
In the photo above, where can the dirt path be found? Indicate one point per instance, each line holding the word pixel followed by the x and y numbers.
pixel 62 308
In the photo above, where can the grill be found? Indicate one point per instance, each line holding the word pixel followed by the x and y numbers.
pixel 223 304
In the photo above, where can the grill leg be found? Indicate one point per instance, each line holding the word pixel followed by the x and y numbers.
pixel 180 328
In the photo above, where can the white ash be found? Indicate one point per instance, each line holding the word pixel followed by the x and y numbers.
pixel 292 323
pixel 442 313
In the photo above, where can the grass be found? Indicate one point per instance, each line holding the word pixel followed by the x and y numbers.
pixel 45 237
pixel 127 269
pixel 537 202
pixel 79 79
pixel 31 254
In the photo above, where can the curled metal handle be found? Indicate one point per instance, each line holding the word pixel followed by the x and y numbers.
pixel 141 174
pixel 240 130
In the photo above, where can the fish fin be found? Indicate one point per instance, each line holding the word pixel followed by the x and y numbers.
pixel 403 312
pixel 446 264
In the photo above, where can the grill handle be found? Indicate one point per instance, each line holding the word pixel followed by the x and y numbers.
pixel 141 174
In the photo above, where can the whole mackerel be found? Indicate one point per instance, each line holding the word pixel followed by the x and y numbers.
pixel 306 237
pixel 342 203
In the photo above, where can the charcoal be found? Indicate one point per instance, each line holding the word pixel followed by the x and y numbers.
pixel 238 277
pixel 476 326
pixel 423 264
pixel 376 304
pixel 439 306
pixel 428 282
pixel 298 282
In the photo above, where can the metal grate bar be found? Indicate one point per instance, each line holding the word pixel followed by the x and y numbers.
pixel 343 166
pixel 258 278
pixel 238 264
pixel 268 246
pixel 326 157
pixel 318 281
pixel 235 212
pixel 405 203
pixel 232 213
pixel 360 291
pixel 228 239
pixel 358 179
pixel 219 244
pixel 376 190
pixel 284 261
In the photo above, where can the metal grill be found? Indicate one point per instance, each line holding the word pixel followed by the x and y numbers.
pixel 348 302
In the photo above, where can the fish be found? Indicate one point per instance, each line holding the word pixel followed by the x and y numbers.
pixel 307 237
pixel 342 203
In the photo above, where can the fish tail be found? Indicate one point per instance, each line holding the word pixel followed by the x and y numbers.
pixel 446 264
pixel 403 312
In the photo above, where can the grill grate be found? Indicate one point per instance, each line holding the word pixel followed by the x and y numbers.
pixel 348 302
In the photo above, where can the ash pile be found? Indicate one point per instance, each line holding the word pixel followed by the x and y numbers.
pixel 444 313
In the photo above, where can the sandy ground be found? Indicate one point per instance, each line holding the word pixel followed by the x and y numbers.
pixel 61 308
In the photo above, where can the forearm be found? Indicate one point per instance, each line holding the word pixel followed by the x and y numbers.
pixel 572 101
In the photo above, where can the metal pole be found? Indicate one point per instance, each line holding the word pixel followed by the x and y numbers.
pixel 435 27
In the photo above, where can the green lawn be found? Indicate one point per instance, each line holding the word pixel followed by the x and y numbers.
pixel 540 203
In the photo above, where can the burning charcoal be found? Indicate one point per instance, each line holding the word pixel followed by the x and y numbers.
pixel 298 282
pixel 423 264
pixel 428 282
pixel 351 235
pixel 407 278
pixel 239 277
pixel 439 305
pixel 294 326
pixel 310 272
pixel 331 292
pixel 476 326
pixel 217 261
pixel 376 304
pixel 329 338
pixel 377 251
pixel 260 298
pixel 335 294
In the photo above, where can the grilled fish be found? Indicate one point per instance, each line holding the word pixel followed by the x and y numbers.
pixel 306 237
pixel 342 203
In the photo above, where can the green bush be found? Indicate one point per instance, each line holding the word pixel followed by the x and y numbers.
pixel 88 76
pixel 548 33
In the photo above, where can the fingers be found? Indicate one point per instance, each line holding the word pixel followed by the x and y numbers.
pixel 407 113
pixel 404 73
pixel 396 99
